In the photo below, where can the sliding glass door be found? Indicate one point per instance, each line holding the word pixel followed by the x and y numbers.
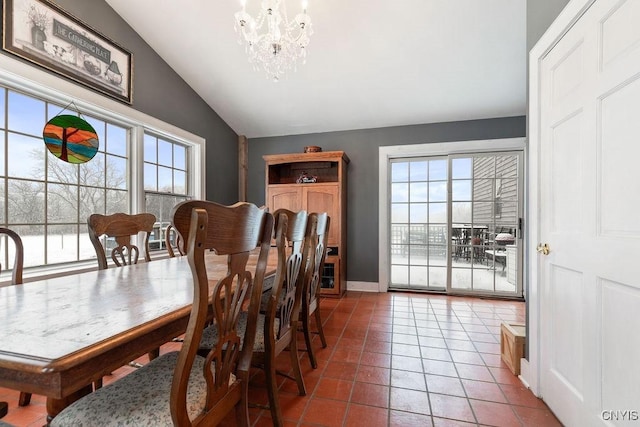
pixel 455 223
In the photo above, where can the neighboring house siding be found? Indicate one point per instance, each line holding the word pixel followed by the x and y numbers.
pixel 495 194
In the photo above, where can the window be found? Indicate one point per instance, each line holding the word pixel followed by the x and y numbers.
pixel 47 201
pixel 165 182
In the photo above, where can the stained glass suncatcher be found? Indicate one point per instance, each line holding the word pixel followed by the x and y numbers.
pixel 71 139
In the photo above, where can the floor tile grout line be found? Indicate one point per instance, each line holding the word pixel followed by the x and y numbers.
pixel 321 374
pixel 426 384
pixel 353 382
pixel 464 390
pixel 499 388
pixel 306 408
pixel 311 397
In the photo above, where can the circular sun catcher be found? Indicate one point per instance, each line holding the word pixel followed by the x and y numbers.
pixel 71 139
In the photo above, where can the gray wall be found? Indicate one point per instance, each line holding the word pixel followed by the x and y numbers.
pixel 540 14
pixel 362 148
pixel 161 93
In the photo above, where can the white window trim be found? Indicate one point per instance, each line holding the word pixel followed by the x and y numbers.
pixel 38 83
pixel 421 150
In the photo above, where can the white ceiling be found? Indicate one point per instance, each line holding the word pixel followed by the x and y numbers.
pixel 371 63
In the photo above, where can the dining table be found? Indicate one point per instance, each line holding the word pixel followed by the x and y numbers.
pixel 60 334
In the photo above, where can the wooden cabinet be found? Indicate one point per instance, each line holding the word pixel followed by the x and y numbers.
pixel 327 194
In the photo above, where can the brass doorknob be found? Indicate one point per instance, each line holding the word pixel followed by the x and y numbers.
pixel 543 249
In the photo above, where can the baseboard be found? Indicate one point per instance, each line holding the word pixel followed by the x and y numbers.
pixel 525 373
pixel 363 286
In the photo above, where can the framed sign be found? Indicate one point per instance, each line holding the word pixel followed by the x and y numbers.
pixel 44 34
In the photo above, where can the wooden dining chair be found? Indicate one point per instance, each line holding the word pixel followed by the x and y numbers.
pixel 121 227
pixel 16 279
pixel 173 241
pixel 278 324
pixel 317 235
pixel 183 388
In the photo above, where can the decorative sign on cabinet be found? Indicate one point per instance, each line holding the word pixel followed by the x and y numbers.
pixel 315 182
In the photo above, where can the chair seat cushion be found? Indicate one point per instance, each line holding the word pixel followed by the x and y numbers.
pixel 141 398
pixel 210 333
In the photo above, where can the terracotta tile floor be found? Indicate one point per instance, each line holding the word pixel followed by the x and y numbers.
pixel 394 359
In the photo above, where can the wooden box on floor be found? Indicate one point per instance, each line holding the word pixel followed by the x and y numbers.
pixel 512 337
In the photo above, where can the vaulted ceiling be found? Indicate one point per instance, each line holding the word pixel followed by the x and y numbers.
pixel 370 63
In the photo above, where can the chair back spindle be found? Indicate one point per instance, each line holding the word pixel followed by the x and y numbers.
pixel 173 241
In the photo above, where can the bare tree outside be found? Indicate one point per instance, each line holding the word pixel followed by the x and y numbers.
pixel 25 202
pixel 52 214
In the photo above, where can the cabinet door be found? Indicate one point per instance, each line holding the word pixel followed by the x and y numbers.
pixel 286 197
pixel 330 280
pixel 325 198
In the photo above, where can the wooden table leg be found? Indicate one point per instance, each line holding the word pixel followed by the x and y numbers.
pixel 55 406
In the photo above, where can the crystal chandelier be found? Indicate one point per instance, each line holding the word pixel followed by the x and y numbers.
pixel 272 41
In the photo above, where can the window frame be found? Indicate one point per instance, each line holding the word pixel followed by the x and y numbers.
pixel 386 153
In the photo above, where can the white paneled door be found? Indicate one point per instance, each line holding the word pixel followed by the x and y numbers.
pixel 590 219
